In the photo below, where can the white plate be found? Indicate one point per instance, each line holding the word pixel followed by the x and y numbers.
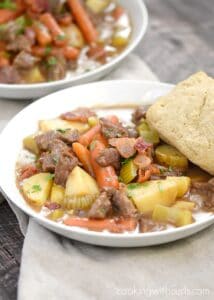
pixel 139 18
pixel 105 93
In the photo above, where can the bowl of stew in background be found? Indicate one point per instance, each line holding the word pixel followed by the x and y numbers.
pixel 66 50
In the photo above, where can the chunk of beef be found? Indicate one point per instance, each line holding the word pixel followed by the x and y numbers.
pixel 31 35
pixel 123 205
pixel 112 130
pixel 10 31
pixel 48 162
pixel 164 172
pixel 206 190
pixel 143 147
pixel 57 147
pixel 37 6
pixel 25 60
pixel 125 146
pixel 43 140
pixel 139 113
pixel 27 171
pixel 109 157
pixel 70 136
pixel 79 115
pixel 56 68
pixel 132 132
pixel 101 207
pixel 56 6
pixel 21 42
pixel 64 166
pixel 142 161
pixel 148 225
pixel 97 52
pixel 9 74
pixel 52 205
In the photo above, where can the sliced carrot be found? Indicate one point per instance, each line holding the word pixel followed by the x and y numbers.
pixel 88 29
pixel 44 51
pixel 112 225
pixel 57 33
pixel 42 34
pixel 2 46
pixel 70 52
pixel 143 175
pixel 100 137
pixel 4 61
pixel 39 51
pixel 83 155
pixel 114 119
pixel 118 12
pixel 87 137
pixel 105 176
pixel 7 15
pixel 65 20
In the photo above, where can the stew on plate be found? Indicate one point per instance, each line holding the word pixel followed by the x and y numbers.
pixel 42 41
pixel 100 173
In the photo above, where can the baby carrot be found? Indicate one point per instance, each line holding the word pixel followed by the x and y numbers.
pixel 105 176
pixel 87 137
pixel 114 119
pixel 101 138
pixel 7 15
pixel 83 155
pixel 118 12
pixel 112 225
pixel 89 31
pixel 65 20
pixel 57 33
pixel 2 46
pixel 43 36
pixel 4 61
pixel 70 52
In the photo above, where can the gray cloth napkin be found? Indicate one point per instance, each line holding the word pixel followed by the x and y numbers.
pixel 55 268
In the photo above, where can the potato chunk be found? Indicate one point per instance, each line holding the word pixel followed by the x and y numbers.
pixel 34 75
pixel 176 216
pixel 81 190
pixel 183 184
pixel 74 35
pixel 169 156
pixel 147 195
pixel 97 6
pixel 30 144
pixel 36 189
pixel 185 205
pixel 57 194
pixel 54 124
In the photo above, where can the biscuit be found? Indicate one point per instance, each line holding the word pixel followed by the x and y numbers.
pixel 184 119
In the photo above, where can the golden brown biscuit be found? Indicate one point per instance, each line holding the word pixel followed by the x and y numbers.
pixel 184 118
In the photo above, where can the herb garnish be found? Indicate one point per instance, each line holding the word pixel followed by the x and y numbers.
pixel 159 186
pixel 8 4
pixel 170 169
pixel 36 188
pixel 55 159
pixel 133 186
pixel 50 176
pixel 48 50
pixel 51 61
pixel 62 130
pixel 61 37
